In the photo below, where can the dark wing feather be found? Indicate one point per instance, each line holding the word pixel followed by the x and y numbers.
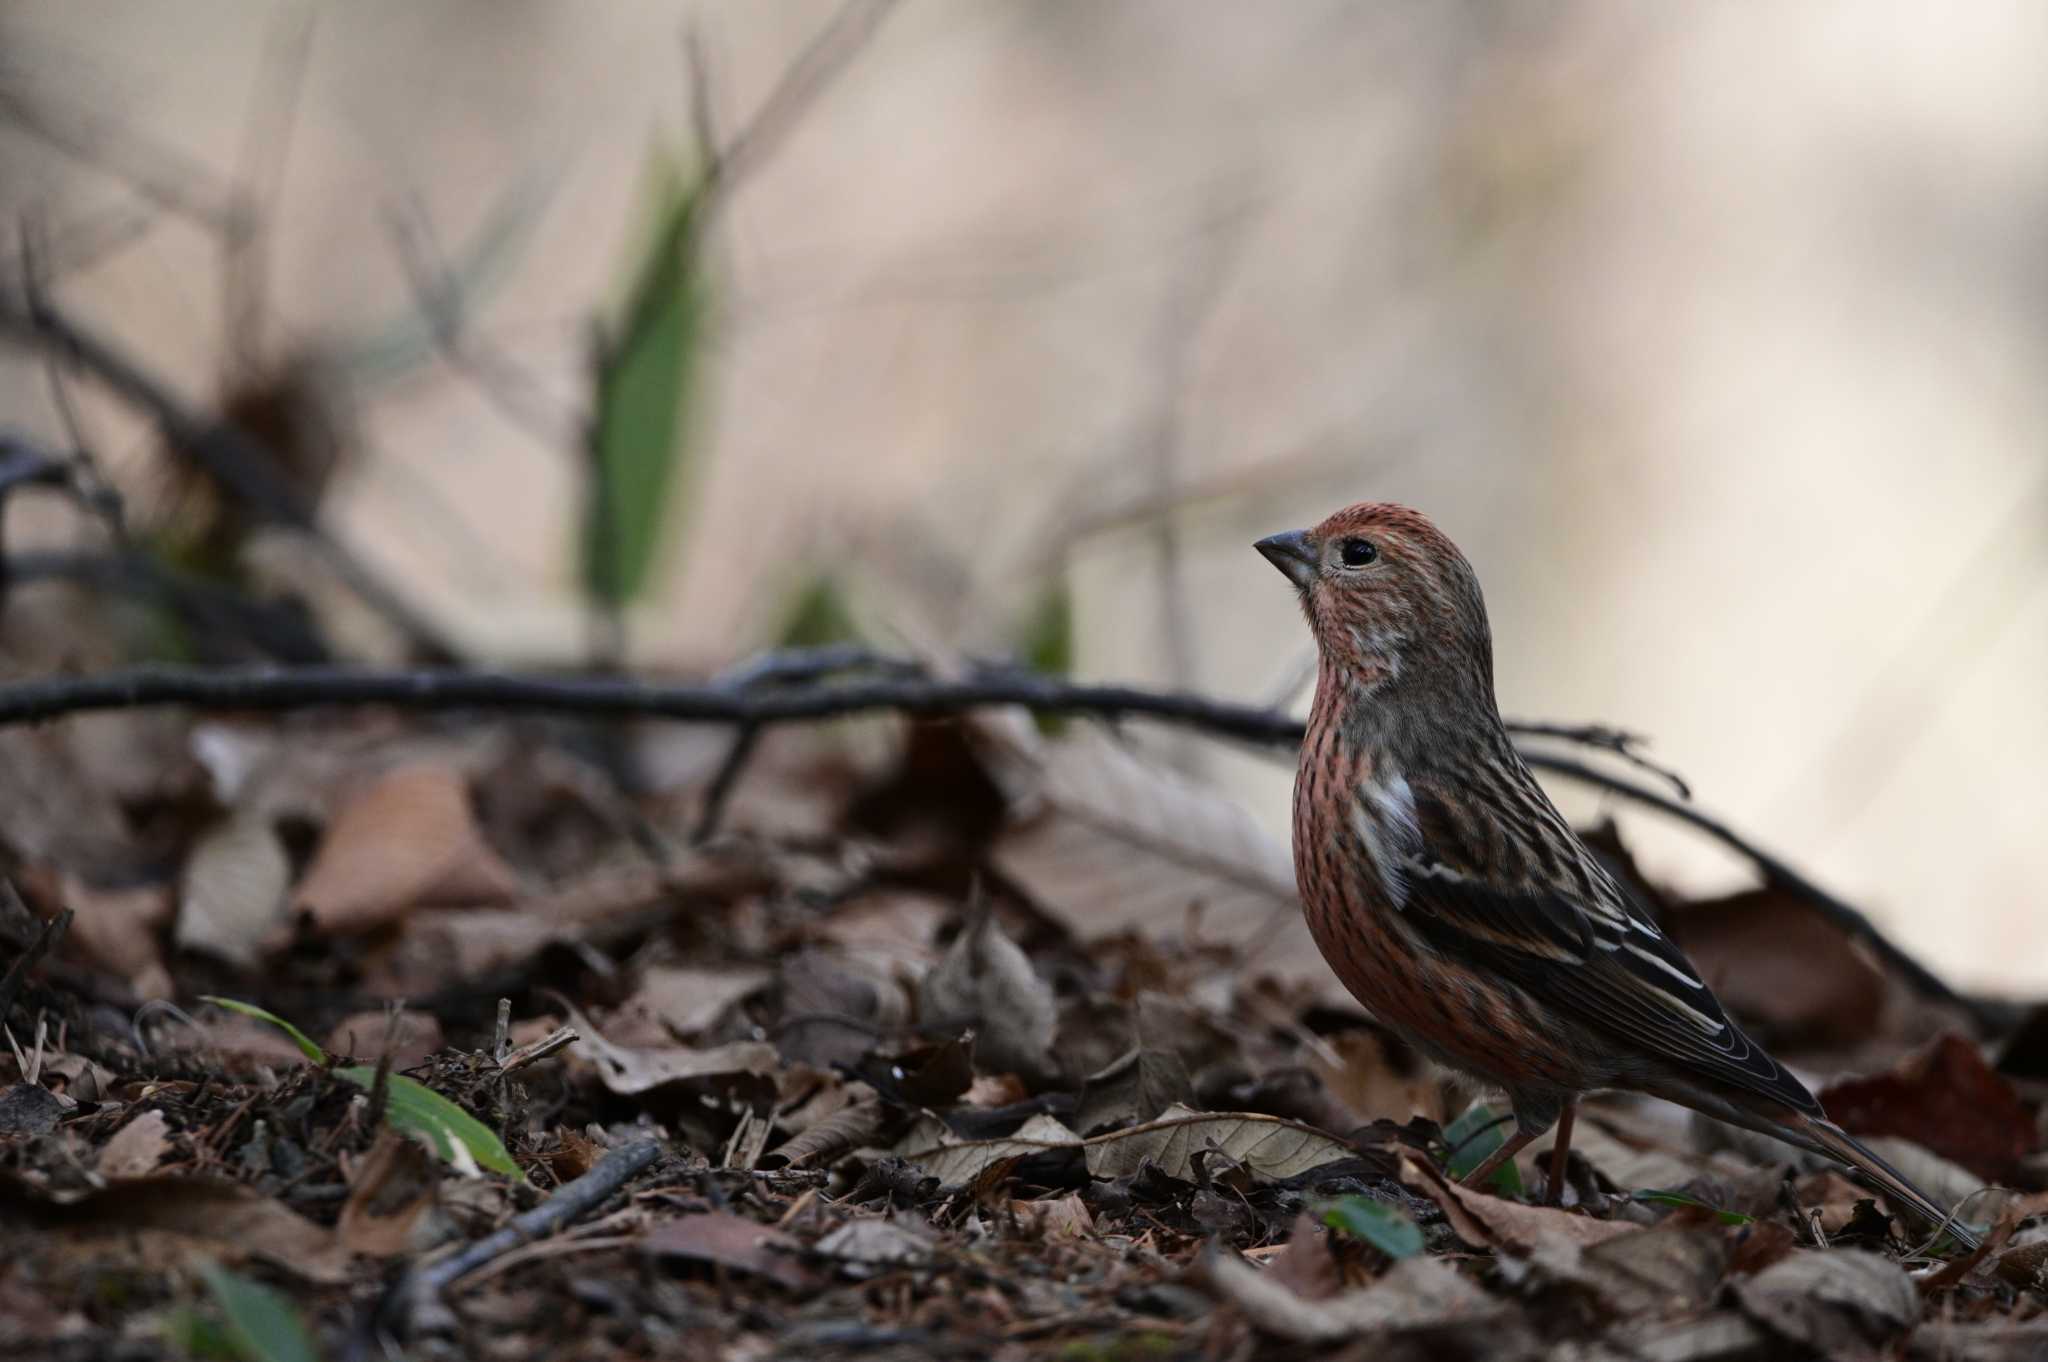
pixel 1593 956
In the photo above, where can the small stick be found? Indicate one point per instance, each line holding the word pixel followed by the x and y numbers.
pixel 421 1287
pixel 17 973
pixel 500 1038
pixel 561 1038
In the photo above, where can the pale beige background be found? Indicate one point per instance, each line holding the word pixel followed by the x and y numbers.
pixel 1716 335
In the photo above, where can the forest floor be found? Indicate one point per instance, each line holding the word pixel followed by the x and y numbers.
pixel 957 1038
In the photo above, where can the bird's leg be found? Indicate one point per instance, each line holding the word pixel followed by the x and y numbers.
pixel 1509 1147
pixel 1553 1194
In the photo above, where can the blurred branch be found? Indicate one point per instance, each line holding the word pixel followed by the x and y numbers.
pixel 1850 919
pixel 808 77
pixel 439 295
pixel 266 145
pixel 228 455
pixel 167 179
pixel 917 696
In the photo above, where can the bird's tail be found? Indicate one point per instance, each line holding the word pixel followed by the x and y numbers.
pixel 1839 1144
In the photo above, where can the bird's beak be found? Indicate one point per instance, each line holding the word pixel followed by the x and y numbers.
pixel 1294 553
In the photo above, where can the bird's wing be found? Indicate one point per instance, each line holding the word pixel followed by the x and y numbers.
pixel 1523 899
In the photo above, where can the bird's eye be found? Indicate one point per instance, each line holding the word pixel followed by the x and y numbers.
pixel 1357 552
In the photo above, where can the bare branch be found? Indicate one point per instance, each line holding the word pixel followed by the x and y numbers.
pixel 231 457
pixel 916 696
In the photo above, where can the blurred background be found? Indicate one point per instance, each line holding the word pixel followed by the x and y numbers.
pixel 1715 336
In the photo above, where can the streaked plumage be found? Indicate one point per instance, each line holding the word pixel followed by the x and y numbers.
pixel 1451 897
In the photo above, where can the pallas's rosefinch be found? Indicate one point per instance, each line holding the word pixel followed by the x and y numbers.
pixel 1455 902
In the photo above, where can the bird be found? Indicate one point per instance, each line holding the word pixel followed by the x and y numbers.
pixel 1454 901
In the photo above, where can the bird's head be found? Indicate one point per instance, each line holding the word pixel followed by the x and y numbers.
pixel 1389 599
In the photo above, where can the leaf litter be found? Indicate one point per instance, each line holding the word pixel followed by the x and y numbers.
pixel 957 1039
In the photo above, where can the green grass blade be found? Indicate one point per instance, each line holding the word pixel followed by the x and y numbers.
pixel 646 380
pixel 1386 1228
pixel 262 1325
pixel 299 1038
pixel 453 1133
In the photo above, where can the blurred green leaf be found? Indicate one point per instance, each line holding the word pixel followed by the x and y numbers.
pixel 1474 1136
pixel 1386 1228
pixel 417 1109
pixel 262 1326
pixel 1664 1198
pixel 299 1038
pixel 646 378
pixel 817 616
pixel 410 1105
pixel 1046 642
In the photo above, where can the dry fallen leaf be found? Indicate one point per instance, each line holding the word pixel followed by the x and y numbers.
pixel 731 1241
pixel 230 1216
pixel 1919 1099
pixel 234 891
pixel 985 981
pixel 1112 841
pixel 408 839
pixel 1267 1145
pixel 116 930
pixel 136 1148
pixel 393 1204
pixel 627 1070
pixel 687 1000
pixel 1415 1293
pixel 1837 1302
pixel 1486 1221
pixel 865 1247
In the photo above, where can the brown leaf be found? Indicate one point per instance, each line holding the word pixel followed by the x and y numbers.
pixel 409 839
pixel 985 980
pixel 628 1070
pixel 1835 1302
pixel 865 1247
pixel 1921 1098
pixel 1486 1221
pixel 136 1148
pixel 233 894
pixel 1267 1145
pixel 847 1128
pixel 732 1241
pixel 689 1000
pixel 116 930
pixel 362 1035
pixel 1305 1266
pixel 29 1109
pixel 1664 1270
pixel 1056 1218
pixel 1139 1084
pixel 1111 841
pixel 1415 1293
pixel 393 1204
pixel 224 1213
pixel 1773 960
pixel 2026 1267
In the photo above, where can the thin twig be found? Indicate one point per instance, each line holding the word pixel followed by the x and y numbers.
pixel 1850 919
pixel 52 932
pixel 230 456
pixel 423 1285
pixel 918 697
pixel 561 1038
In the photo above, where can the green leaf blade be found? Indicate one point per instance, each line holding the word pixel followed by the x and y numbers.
pixel 1472 1138
pixel 299 1038
pixel 645 384
pixel 1386 1228
pixel 262 1325
pixel 453 1133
